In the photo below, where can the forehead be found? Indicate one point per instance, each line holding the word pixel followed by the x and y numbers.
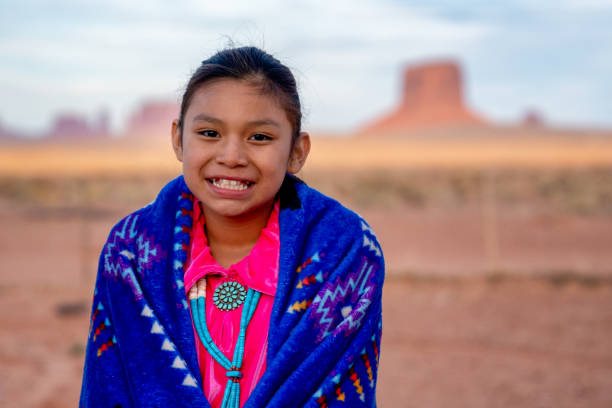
pixel 235 99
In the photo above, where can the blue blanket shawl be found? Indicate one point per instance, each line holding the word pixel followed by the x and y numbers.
pixel 325 326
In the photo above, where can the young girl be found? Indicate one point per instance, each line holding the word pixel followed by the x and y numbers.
pixel 239 285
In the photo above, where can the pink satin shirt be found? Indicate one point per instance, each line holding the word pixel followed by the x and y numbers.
pixel 258 270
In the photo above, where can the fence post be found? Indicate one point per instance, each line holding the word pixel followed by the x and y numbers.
pixel 490 220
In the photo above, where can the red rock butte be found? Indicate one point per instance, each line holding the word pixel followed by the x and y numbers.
pixel 153 118
pixel 432 96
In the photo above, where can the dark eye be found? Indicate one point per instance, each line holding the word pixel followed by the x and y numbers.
pixel 260 137
pixel 209 133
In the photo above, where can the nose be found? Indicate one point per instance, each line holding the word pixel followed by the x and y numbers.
pixel 231 152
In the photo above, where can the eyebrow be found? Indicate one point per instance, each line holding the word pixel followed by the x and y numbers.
pixel 262 122
pixel 206 118
pixel 259 122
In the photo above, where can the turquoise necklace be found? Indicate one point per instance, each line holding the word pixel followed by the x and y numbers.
pixel 197 298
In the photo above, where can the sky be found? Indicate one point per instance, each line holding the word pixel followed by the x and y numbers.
pixel 81 56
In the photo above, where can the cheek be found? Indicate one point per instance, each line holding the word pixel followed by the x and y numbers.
pixel 194 155
pixel 281 162
pixel 274 172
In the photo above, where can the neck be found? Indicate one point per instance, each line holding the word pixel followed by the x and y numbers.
pixel 231 238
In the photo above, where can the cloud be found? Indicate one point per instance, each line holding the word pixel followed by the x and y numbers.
pixel 347 55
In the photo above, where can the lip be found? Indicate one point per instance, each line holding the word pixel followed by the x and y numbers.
pixel 221 176
pixel 228 193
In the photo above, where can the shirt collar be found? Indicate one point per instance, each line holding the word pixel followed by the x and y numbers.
pixel 258 270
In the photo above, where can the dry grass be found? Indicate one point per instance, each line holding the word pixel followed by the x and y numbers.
pixel 469 152
pixel 488 147
pixel 86 159
pixel 568 171
pixel 584 191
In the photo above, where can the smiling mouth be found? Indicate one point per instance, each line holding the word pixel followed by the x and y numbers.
pixel 236 185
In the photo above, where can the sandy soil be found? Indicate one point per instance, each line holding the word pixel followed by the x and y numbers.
pixel 460 242
pixel 467 344
pixel 524 344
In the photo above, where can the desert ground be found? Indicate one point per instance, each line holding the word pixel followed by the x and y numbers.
pixel 498 290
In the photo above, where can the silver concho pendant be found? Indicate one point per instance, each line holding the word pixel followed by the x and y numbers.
pixel 229 296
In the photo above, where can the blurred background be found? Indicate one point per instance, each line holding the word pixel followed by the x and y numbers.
pixel 475 138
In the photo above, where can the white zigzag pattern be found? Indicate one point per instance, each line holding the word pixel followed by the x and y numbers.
pixel 110 268
pixel 366 227
pixel 368 243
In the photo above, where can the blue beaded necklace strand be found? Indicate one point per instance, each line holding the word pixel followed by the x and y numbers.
pixel 197 299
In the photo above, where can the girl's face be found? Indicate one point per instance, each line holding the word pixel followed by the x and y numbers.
pixel 236 148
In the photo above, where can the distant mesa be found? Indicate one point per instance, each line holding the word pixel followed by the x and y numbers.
pixel 151 118
pixel 432 96
pixel 5 133
pixel 72 126
pixel 533 118
pixel 154 118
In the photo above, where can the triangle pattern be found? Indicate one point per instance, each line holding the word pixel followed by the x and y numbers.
pixel 189 381
pixel 167 345
pixel 157 328
pixel 146 311
pixel 179 363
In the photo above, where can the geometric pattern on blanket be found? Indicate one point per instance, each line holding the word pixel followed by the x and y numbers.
pixel 330 281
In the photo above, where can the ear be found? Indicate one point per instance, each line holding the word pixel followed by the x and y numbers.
pixel 177 142
pixel 300 151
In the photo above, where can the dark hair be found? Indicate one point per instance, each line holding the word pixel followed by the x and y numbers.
pixel 255 66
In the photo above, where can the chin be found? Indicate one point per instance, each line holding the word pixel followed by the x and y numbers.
pixel 235 210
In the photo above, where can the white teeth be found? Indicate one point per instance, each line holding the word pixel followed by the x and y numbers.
pixel 230 184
